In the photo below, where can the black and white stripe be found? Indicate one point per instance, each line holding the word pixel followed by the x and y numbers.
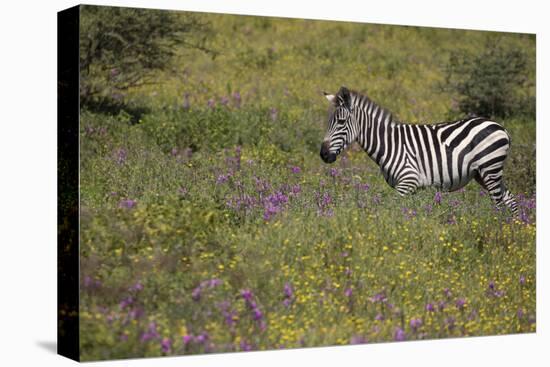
pixel 445 155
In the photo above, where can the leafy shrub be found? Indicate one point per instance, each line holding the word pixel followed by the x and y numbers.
pixel 493 82
pixel 122 48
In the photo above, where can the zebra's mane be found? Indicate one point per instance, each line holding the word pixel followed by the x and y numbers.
pixel 362 100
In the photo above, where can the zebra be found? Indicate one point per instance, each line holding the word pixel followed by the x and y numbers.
pixel 411 156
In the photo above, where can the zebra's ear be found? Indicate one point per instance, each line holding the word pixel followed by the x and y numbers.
pixel 331 97
pixel 345 97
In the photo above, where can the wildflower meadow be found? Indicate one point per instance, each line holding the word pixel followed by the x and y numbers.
pixel 210 224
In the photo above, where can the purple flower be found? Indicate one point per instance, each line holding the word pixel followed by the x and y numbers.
pixel 245 346
pixel 273 204
pixel 348 292
pixel 296 189
pixel 230 318
pixel 187 339
pixel 379 298
pixel 472 315
pixel 270 210
pixel 399 335
pixel 121 155
pixel 334 172
pixel 137 287
pixel 201 338
pixel 441 305
pixel 126 302
pixel 287 290
pixel 278 198
pixel 451 219
pixel 135 313
pixel 460 303
pixel 166 345
pixel 261 185
pixel 430 307
pixel 357 339
pixel 437 198
pixel 379 317
pixel 492 291
pixel 196 294
pixel 415 324
pixel 522 280
pixel 222 179
pixel 127 203
pixel 362 187
pixel 296 169
pixel 257 314
pixel 520 313
pixel 323 201
pixel 237 99
pixel 523 216
pixel 91 283
pixel 447 292
pixel 151 332
pixel 409 213
pixel 450 322
pixel 224 101
pixel 246 294
pixel 211 103
pixel 214 282
pixel 211 283
pixel 262 325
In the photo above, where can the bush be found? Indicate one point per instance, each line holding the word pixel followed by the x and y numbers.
pixel 492 83
pixel 121 48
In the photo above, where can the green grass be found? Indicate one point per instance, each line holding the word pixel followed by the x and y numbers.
pixel 213 195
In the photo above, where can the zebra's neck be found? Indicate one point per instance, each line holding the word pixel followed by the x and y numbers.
pixel 375 127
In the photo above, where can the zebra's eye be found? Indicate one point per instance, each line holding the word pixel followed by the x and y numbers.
pixel 341 121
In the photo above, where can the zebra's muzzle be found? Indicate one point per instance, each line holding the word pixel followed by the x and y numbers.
pixel 326 155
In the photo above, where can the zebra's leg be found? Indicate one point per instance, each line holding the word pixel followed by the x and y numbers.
pixel 491 180
pixel 510 201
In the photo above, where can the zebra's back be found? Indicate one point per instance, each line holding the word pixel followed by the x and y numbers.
pixel 448 155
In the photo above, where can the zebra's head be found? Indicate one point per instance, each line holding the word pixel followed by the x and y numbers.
pixel 342 129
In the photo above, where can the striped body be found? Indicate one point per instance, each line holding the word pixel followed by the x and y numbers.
pixel 446 155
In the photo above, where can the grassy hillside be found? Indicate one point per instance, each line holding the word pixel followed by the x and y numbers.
pixel 210 224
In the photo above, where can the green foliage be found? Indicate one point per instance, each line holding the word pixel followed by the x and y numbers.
pixel 224 127
pixel 493 82
pixel 122 48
